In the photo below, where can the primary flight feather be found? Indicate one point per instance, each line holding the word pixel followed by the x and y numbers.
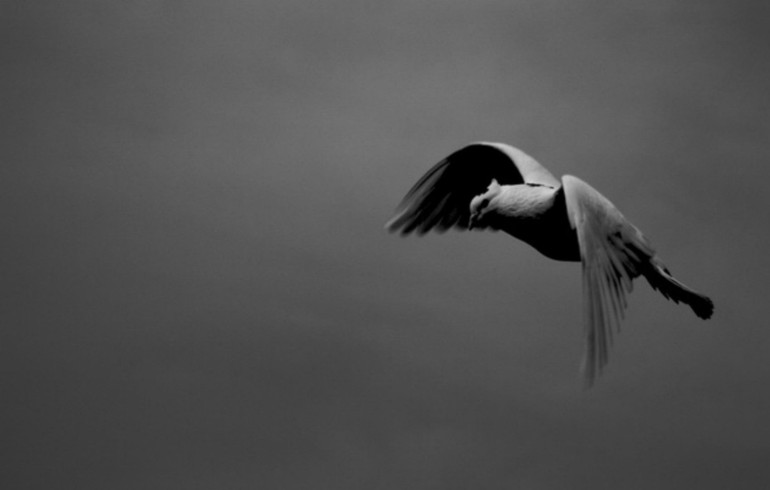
pixel 496 186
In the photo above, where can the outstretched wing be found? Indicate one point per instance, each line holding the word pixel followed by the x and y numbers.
pixel 441 198
pixel 613 253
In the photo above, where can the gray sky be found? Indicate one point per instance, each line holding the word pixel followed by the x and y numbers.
pixel 198 292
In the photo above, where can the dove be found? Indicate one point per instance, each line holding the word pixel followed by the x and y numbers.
pixel 495 186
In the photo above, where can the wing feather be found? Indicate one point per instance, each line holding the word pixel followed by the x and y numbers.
pixel 441 198
pixel 613 252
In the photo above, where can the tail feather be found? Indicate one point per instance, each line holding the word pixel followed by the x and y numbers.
pixel 661 280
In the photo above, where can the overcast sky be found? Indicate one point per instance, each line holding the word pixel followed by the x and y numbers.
pixel 197 291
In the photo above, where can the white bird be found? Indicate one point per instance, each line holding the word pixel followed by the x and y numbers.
pixel 496 186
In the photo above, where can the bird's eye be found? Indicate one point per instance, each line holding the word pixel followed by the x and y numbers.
pixel 484 203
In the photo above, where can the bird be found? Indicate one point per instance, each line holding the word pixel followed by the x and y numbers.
pixel 497 187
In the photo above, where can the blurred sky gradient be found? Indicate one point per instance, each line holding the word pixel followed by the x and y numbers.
pixel 198 292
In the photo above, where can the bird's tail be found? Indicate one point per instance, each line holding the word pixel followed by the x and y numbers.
pixel 661 280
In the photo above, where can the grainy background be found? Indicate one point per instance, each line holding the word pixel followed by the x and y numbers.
pixel 197 291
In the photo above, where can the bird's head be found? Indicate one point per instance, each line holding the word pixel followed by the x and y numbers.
pixel 480 206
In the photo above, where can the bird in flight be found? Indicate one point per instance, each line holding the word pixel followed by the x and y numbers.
pixel 498 187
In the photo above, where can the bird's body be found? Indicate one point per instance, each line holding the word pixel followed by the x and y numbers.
pixel 499 187
pixel 535 214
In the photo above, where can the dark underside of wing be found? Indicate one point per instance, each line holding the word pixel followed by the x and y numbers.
pixel 441 198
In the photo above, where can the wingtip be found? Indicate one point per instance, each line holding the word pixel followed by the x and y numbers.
pixel 395 225
pixel 704 308
pixel 390 229
pixel 588 374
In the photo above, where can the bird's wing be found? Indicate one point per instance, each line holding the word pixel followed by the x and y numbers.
pixel 613 253
pixel 441 198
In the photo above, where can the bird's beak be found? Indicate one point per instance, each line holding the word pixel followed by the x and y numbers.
pixel 472 221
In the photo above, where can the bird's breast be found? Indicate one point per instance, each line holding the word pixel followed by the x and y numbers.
pixel 538 216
